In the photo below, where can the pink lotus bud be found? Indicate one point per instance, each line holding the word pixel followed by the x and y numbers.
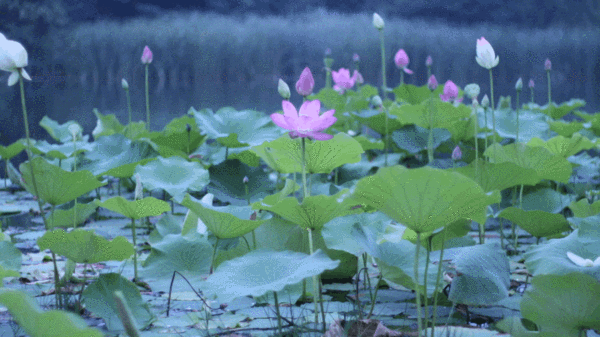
pixel 548 65
pixel 402 60
pixel 328 52
pixel 429 61
pixel 306 83
pixel 432 83
pixel 245 180
pixel 355 57
pixel 531 83
pixel 450 92
pixel 147 56
pixel 457 153
pixel 486 57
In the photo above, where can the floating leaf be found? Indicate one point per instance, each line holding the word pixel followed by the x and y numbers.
pixel 136 209
pixel 59 132
pixel 37 323
pixel 537 223
pixel 7 152
pixel 414 139
pixel 176 140
pixel 83 246
pixel 562 146
pixel 106 125
pixel 500 176
pixel 99 299
pixel 411 94
pixel 261 271
pixel 375 120
pixel 557 111
pixel 55 185
pixel 226 182
pixel 63 151
pixel 64 217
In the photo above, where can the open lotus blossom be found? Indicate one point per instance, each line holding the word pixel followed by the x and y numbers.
pixel 306 83
pixel 146 55
pixel 13 58
pixel 342 80
pixel 402 60
pixel 486 57
pixel 578 260
pixel 450 92
pixel 306 123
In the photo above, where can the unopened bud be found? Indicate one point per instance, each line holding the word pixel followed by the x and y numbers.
pixel 485 102
pixel 456 153
pixel 245 180
pixel 124 84
pixel 519 84
pixel 283 89
pixel 548 65
pixel 429 61
pixel 355 57
pixel 472 90
pixel 531 83
pixel 432 83
pixel 376 101
pixel 327 52
pixel 378 21
pixel 74 130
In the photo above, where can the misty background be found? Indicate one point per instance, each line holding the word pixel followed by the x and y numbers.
pixel 216 53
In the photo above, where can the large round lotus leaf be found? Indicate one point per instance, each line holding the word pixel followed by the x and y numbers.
pixel 339 232
pixel 284 154
pixel 236 128
pixel 566 129
pixel 483 275
pixel 63 151
pixel 38 323
pixel 566 305
pixel 224 222
pixel 457 229
pixel 444 113
pixel 226 182
pixel 500 176
pixel 136 209
pixel 551 257
pixel 55 185
pixel 64 217
pixel 330 99
pixel 557 111
pixel 99 299
pixel 10 256
pixel 546 199
pixel 117 156
pixel 261 271
pixel 174 175
pixel 175 139
pixel 583 209
pixel 106 125
pixel 375 120
pixel 83 246
pixel 369 144
pixel 531 124
pixel 423 199
pixel 564 147
pixel 537 223
pixel 547 165
pixel 414 138
pixel 411 94
pixel 7 152
pixel 314 211
pixel 57 131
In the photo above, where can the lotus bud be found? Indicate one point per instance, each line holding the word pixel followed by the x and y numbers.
pixel 74 130
pixel 13 58
pixel 519 84
pixel 124 84
pixel 378 21
pixel 548 65
pixel 283 89
pixel 147 55
pixel 531 83
pixel 432 83
pixel 355 58
pixel 456 153
pixel 306 83
pixel 245 180
pixel 429 61
pixel 139 189
pixel 474 102
pixel 376 101
pixel 327 52
pixel 486 57
pixel 351 133
pixel 472 90
pixel 485 102
pixel 358 76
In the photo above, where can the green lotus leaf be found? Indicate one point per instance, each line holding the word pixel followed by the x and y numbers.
pixel 262 271
pixel 226 182
pixel 423 199
pixel 565 129
pixel 411 94
pixel 7 152
pixel 174 175
pixel 444 113
pixel 63 151
pixel 562 146
pixel 339 232
pixel 547 165
pixel 55 185
pixel 483 275
pixel 224 222
pixel 500 176
pixel 83 246
pixel 531 124
pixel 284 154
pixel 64 217
pixel 10 256
pixel 117 156
pixel 174 139
pixel 537 223
pixel 330 99
pixel 414 138
pixel 565 305
pixel 375 120
pixel 557 111
pixel 99 299
pixel 546 199
pixel 136 209
pixel 368 144
pixel 57 131
pixel 234 128
pixel 106 125
pixel 583 209
pixel 38 323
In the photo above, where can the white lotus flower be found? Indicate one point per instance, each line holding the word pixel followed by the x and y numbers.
pixel 578 260
pixel 486 57
pixel 13 58
pixel 378 21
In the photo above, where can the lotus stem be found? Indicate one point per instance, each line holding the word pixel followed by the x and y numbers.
pixel 493 114
pixel 417 286
pixel 147 101
pixel 384 85
pixel 135 270
pixel 437 282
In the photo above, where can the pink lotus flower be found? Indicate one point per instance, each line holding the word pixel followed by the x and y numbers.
pixel 432 83
pixel 402 60
pixel 342 80
pixel 306 83
pixel 456 153
pixel 548 65
pixel 147 56
pixel 450 92
pixel 307 123
pixel 429 61
pixel 531 83
pixel 486 57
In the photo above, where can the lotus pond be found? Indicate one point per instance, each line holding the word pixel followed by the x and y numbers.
pixel 363 212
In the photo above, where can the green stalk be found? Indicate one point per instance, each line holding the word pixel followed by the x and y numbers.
pixel 129 102
pixel 425 280
pixel 517 138
pixel 384 87
pixel 531 89
pixel 135 270
pixel 387 136
pixel 147 101
pixel 401 77
pixel 278 313
pixel 493 114
pixel 417 286
pixel 212 263
pixel 437 282
pixel 75 170
pixel 486 128
pixel 476 125
pixel 549 97
pixel 430 137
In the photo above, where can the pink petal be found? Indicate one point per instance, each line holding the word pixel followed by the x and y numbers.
pixel 408 71
pixel 310 109
pixel 280 121
pixel 320 136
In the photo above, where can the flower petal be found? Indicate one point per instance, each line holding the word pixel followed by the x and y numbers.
pixel 320 136
pixel 25 75
pixel 408 71
pixel 578 260
pixel 13 78
pixel 310 109
pixel 280 121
